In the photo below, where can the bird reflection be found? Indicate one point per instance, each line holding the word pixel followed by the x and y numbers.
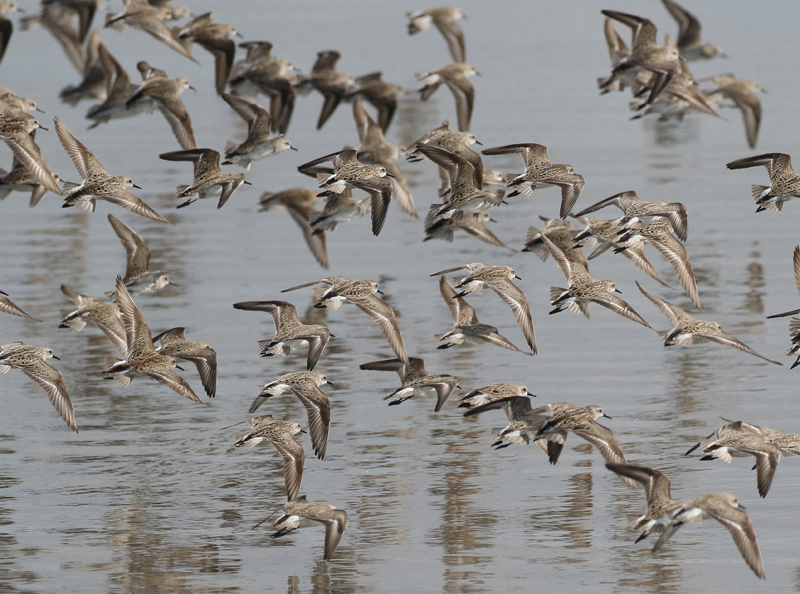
pixel 753 302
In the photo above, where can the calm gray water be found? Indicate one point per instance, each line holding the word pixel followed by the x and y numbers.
pixel 151 496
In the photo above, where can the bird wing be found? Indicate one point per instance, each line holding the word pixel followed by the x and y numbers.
pixel 173 381
pixel 318 407
pixel 462 312
pixel 384 315
pixel 138 254
pixel 134 204
pixel 52 381
pixel 137 333
pixel 722 338
pixel 675 314
pixel 294 457
pixel 518 303
pixel 619 306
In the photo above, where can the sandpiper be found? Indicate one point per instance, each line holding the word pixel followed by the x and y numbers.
pixel 137 254
pixel 743 95
pixel 498 279
pixel 349 171
pixel 21 180
pixel 31 360
pixel 259 143
pixel 444 18
pixel 339 208
pixel 215 38
pixel 466 328
pixel 473 223
pixel 330 82
pixel 94 84
pixel 9 307
pixel 306 386
pixel 91 309
pixel 415 381
pixel 583 289
pixel 209 181
pixel 562 234
pixel 280 434
pixel 665 515
pixel 16 130
pixel 455 142
pixel 166 93
pixel 784 182
pixel 465 196
pixel 97 183
pixel 290 332
pixel 360 293
pixel 142 359
pixel 794 324
pixel 299 513
pixel 456 77
pixel 381 95
pixel 689 43
pixel 374 149
pixel 638 212
pixel 744 444
pixel 174 344
pixel 541 172
pixel 300 204
pixel 688 330
pixel 150 19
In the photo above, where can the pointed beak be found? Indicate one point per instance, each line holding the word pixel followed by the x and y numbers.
pixel 191 87
pixel 606 416
pixel 763 90
pixel 477 73
pixel 516 277
pixel 389 175
pixel 330 384
pixel 247 183
pixel 179 367
pixel 137 187
pixel 56 358
pixel 173 284
pixel 742 507
pixel 618 291
pixel 292 148
pixel 42 127
pixel 379 291
pixel 478 142
pixel 491 220
pixel 303 431
pixel 39 110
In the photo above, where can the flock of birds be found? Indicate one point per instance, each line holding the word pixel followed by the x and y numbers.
pixel 661 83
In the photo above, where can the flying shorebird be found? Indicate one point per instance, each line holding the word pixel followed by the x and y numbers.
pixel 290 332
pixel 21 180
pixel 562 234
pixel 498 279
pixel 137 254
pixel 281 435
pixel 97 183
pixel 466 197
pixel 93 84
pixel 658 234
pixel 16 130
pixel 140 14
pixel 298 513
pixel 349 171
pixel 466 328
pixel 474 224
pixel 665 515
pixel 209 180
pixel 794 324
pixel 524 421
pixel 381 95
pixel 456 77
pixel 215 38
pixel 603 234
pixel 646 53
pixel 6 26
pixel 306 386
pixel 688 330
pixel 444 18
pixel 100 313
pixel 689 43
pixel 583 289
pixel 784 182
pixel 375 150
pixel 174 344
pixel 743 95
pixel 638 212
pixel 330 82
pixel 119 89
pixel 338 208
pixel 360 293
pixel 142 359
pixel 455 142
pixel 415 381
pixel 31 360
pixel 259 143
pixel 166 93
pixel 9 307
pixel 541 172
pixel 300 204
